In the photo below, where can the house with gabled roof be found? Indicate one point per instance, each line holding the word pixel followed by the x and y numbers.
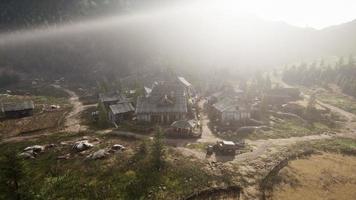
pixel 120 111
pixel 228 109
pixel 226 91
pixel 167 102
pixel 110 98
pixel 117 105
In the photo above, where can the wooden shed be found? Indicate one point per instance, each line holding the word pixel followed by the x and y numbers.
pixel 17 109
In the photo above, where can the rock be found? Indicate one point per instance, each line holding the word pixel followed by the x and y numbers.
pixel 32 151
pixel 118 147
pixel 27 154
pixel 35 148
pixel 82 145
pixel 100 154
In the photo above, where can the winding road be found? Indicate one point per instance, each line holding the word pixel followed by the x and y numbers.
pixel 72 120
pixel 260 147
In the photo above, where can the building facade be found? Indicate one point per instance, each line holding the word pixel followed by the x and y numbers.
pixel 167 102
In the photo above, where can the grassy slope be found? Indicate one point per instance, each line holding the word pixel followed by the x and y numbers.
pixel 338 100
pixel 332 176
pixel 122 175
pixel 281 129
pixel 329 175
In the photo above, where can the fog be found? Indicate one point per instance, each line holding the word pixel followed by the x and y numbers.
pixel 189 35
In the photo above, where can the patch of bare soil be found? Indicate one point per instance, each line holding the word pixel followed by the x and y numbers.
pixel 325 177
pixel 38 122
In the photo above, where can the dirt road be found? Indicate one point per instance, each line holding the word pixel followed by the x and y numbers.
pixel 259 147
pixel 72 120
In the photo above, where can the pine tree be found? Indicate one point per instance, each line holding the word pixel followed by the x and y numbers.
pixel 103 116
pixel 12 177
pixel 157 150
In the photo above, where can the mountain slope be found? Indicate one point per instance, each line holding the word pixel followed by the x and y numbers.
pixel 116 47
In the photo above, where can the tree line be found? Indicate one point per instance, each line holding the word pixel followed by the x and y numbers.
pixel 342 73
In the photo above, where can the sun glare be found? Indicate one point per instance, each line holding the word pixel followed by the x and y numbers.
pixel 304 13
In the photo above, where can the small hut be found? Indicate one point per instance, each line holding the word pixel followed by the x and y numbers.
pixel 184 126
pixel 120 111
pixel 111 98
pixel 18 109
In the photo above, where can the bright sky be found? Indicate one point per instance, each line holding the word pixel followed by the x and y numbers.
pixel 305 13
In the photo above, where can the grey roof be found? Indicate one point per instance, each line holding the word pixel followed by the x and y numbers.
pixel 228 105
pixel 147 90
pixel 112 96
pixel 165 97
pixel 184 124
pixel 184 81
pixel 121 108
pixel 224 104
pixel 228 92
pixel 25 105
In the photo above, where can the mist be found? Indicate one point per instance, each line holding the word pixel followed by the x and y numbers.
pixel 184 36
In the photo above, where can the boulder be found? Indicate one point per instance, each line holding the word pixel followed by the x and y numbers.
pixel 82 145
pixel 100 154
pixel 35 148
pixel 27 154
pixel 118 147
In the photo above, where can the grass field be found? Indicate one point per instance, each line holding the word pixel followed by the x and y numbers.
pixel 319 177
pixel 43 118
pixel 289 128
pixel 124 175
pixel 328 173
pixel 280 129
pixel 341 101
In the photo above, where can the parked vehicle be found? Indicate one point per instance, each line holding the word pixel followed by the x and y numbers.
pixel 210 150
pixel 225 147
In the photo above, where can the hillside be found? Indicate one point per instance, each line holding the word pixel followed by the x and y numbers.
pixel 134 40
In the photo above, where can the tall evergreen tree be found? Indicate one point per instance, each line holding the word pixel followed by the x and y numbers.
pixel 12 177
pixel 157 150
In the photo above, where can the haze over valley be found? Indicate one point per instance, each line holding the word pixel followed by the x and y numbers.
pixel 181 100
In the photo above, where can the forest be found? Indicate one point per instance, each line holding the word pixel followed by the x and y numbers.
pixel 343 74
